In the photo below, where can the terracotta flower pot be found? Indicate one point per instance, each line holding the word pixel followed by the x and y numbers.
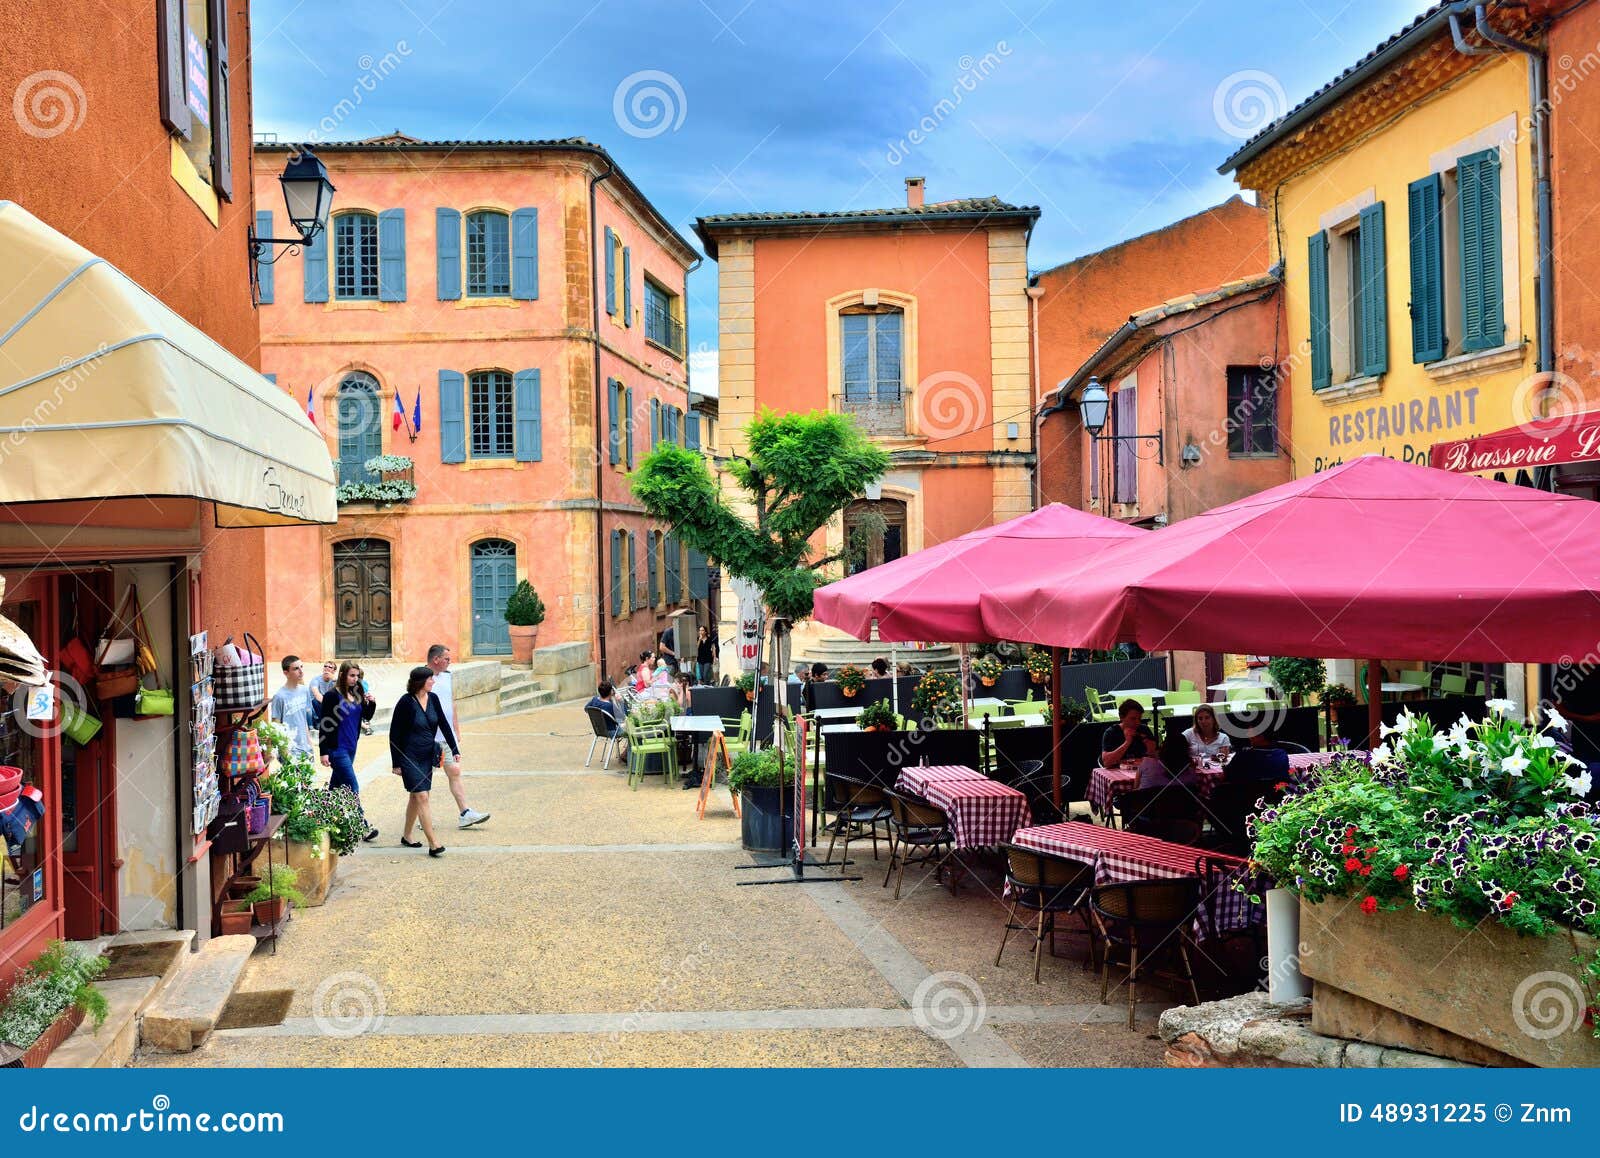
pixel 750 696
pixel 848 693
pixel 270 911
pixel 60 1029
pixel 236 917
pixel 523 641
pixel 986 681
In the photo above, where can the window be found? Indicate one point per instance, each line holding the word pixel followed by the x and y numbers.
pixel 355 256
pixel 360 427
pixel 1347 275
pixel 1252 411
pixel 870 349
pixel 192 42
pixel 663 323
pixel 492 412
pixel 488 254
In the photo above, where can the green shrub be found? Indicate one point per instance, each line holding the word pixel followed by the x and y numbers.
pixel 1295 676
pixel 877 715
pixel 58 979
pixel 281 881
pixel 524 608
pixel 761 769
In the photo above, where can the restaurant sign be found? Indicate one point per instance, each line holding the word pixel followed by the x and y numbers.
pixel 1546 442
pixel 749 640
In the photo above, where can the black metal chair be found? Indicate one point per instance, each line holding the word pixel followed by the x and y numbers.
pixel 605 728
pixel 1040 792
pixel 1231 903
pixel 1015 773
pixel 1047 885
pixel 1169 812
pixel 1145 917
pixel 1229 808
pixel 916 824
pixel 1291 746
pixel 857 808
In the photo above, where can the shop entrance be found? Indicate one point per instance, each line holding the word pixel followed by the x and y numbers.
pixel 88 785
pixel 361 598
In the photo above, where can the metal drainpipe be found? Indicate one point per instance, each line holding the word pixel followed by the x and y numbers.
pixel 1035 292
pixel 599 437
pixel 1538 100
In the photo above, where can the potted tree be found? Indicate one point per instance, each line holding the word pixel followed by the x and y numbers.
pixel 1296 677
pixel 851 680
pixel 524 614
pixel 766 807
pixel 987 668
pixel 1335 697
pixel 935 697
pixel 878 717
pixel 273 895
pixel 49 1000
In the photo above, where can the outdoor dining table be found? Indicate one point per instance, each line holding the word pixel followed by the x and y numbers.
pixel 824 714
pixel 916 779
pixel 994 705
pixel 1027 721
pixel 982 812
pixel 699 724
pixel 1153 693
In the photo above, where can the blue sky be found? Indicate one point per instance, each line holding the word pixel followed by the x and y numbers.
pixel 1110 117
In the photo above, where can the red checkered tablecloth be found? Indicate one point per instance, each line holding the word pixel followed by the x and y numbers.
pixel 916 780
pixel 982 812
pixel 1106 784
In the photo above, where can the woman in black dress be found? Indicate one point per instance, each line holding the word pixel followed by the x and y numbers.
pixel 418 718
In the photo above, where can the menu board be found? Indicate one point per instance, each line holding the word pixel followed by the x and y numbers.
pixel 203 734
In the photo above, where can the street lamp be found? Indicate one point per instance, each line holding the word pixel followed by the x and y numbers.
pixel 308 195
pixel 1094 406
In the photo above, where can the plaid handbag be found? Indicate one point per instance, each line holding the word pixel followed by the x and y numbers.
pixel 244 686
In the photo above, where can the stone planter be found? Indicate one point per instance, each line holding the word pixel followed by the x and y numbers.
pixel 523 641
pixel 1415 981
pixel 317 865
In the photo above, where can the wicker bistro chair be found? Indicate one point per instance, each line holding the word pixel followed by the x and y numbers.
pixel 858 808
pixel 916 825
pixel 1170 812
pixel 1046 885
pixel 1144 918
pixel 1014 773
pixel 605 727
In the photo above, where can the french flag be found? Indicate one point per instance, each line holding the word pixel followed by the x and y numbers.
pixel 311 410
pixel 399 414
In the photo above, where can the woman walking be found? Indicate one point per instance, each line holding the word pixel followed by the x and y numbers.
pixel 344 708
pixel 418 718
pixel 705 656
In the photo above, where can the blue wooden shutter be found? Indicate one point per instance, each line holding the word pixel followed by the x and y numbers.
pixel 448 248
pixel 611 273
pixel 627 286
pixel 273 378
pixel 633 571
pixel 452 416
pixel 392 255
pixel 525 254
pixel 314 267
pixel 699 579
pixel 1423 207
pixel 691 430
pixel 264 272
pixel 529 423
pixel 616 572
pixel 1482 307
pixel 672 558
pixel 650 566
pixel 655 422
pixel 1317 292
pixel 1374 265
pixel 613 392
pixel 628 397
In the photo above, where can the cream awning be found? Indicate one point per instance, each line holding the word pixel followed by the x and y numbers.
pixel 107 393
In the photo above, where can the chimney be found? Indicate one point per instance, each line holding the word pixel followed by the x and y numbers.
pixel 914 190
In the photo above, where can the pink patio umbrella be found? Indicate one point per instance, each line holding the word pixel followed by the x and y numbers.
pixel 1371 558
pixel 934 594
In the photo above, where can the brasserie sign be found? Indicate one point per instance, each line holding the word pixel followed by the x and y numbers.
pixel 1545 443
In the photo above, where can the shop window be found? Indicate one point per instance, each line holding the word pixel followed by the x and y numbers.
pixel 23 883
pixel 1252 411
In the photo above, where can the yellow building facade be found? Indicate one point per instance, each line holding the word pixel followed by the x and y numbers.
pixel 1404 216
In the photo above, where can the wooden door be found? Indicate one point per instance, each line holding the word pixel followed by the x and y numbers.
pixel 494 577
pixel 361 623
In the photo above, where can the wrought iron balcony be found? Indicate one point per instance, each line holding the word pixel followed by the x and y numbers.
pixel 384 479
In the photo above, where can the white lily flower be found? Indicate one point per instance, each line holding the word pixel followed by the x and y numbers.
pixel 1555 719
pixel 1543 742
pixel 1580 784
pixel 1387 730
pixel 1516 764
pixel 1501 707
pixel 1382 755
pixel 1441 743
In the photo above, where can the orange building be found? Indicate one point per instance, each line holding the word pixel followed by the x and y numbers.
pixel 1081 303
pixel 914 320
pixel 525 301
pixel 143 452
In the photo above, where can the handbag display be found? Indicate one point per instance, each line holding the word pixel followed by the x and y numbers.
pixel 153 702
pixel 124 655
pixel 244 756
pixel 229 831
pixel 78 725
pixel 243 686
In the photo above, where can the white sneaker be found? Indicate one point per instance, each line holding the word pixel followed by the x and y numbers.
pixel 472 816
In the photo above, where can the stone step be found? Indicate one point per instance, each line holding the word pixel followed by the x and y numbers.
pixel 112 1046
pixel 188 1008
pixel 525 701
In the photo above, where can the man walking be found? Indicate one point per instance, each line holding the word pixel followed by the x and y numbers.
pixel 443 687
pixel 291 706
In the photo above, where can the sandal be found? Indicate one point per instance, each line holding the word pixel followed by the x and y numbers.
pixel 410 843
pixel 372 834
pixel 436 851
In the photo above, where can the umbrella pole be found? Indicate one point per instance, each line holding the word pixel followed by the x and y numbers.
pixel 1374 702
pixel 965 676
pixel 894 680
pixel 1055 725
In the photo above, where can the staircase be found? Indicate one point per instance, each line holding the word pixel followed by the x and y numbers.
pixel 520 692
pixel 113 1044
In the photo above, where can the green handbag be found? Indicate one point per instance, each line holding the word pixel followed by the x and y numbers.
pixel 152 702
pixel 78 725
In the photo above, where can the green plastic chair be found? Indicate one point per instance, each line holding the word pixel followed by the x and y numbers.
pixel 654 740
pixel 1099 712
pixel 1453 685
pixel 1186 686
pixel 1028 707
pixel 1184 696
pixel 1240 693
pixel 1421 678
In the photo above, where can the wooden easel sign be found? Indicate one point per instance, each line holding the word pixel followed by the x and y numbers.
pixel 716 747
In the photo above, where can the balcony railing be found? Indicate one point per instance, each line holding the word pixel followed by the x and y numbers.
pixel 661 327
pixel 385 479
pixel 877 416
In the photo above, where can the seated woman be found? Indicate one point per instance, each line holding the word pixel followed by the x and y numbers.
pixel 643 673
pixel 1207 740
pixel 1172 764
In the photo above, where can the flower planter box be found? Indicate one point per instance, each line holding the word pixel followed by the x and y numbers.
pixel 766 818
pixel 317 865
pixel 1484 995
pixel 61 1028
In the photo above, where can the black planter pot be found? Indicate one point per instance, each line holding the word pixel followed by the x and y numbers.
pixel 766 818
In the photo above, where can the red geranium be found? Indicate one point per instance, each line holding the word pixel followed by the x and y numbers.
pixel 1401 872
pixel 1508 900
pixel 1352 865
pixel 1369 906
pixel 1366 870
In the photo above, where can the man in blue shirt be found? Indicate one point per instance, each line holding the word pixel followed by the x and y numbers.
pixel 1262 762
pixel 292 706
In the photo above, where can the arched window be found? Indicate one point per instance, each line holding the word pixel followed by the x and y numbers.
pixel 355 256
pixel 494 577
pixel 360 427
pixel 492 414
pixel 488 254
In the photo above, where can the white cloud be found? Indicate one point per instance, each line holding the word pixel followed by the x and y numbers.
pixel 703 372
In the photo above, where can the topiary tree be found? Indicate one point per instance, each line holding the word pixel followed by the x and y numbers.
pixel 800 470
pixel 524 608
